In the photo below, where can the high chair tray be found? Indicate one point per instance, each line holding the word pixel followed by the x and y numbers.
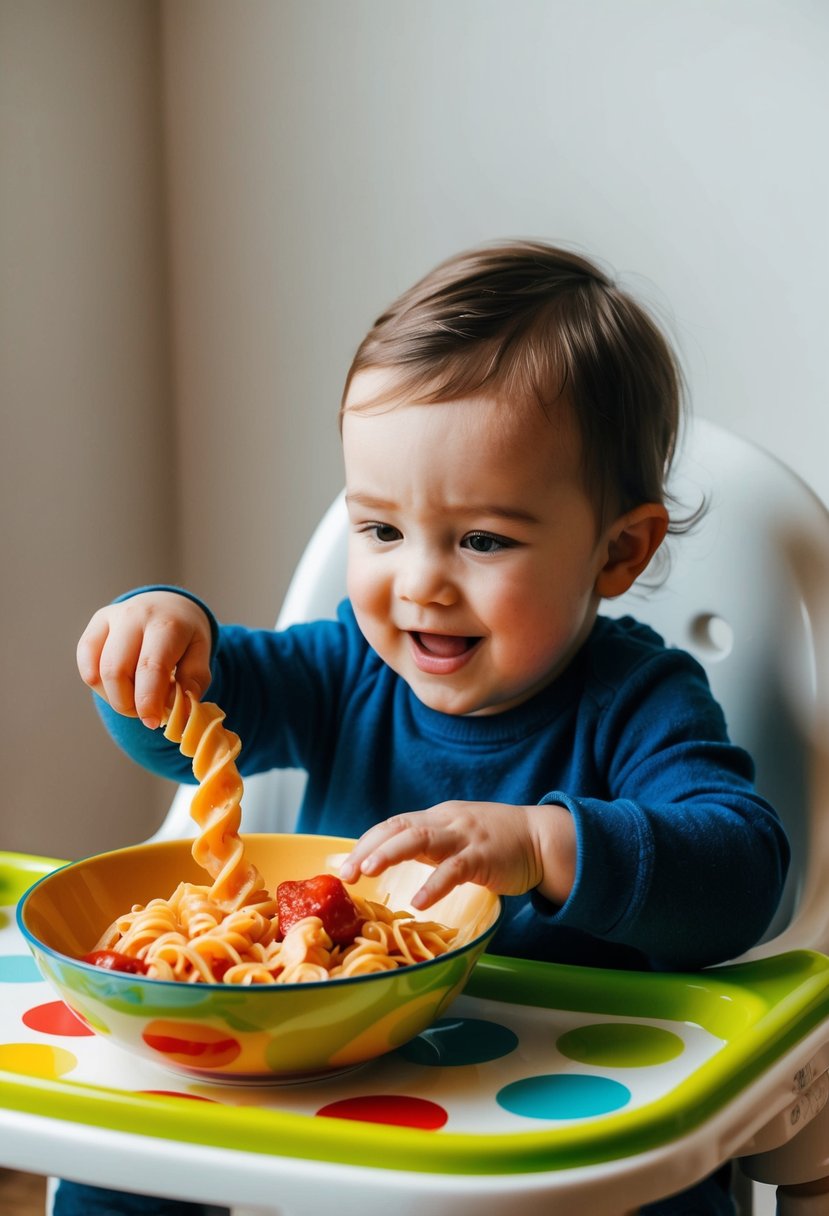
pixel 537 1067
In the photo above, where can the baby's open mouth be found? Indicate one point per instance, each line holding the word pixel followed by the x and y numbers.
pixel 444 645
pixel 442 654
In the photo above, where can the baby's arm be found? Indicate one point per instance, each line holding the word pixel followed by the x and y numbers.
pixel 508 849
pixel 130 649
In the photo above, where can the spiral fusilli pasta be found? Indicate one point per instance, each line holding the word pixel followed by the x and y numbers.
pixel 217 804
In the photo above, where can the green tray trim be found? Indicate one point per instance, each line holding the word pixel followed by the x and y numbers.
pixel 18 871
pixel 760 1009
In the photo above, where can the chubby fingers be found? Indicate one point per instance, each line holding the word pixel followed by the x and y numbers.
pixel 167 651
pixel 107 658
pixel 428 836
pixel 129 652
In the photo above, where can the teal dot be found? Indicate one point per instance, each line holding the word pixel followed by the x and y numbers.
pixel 452 1042
pixel 563 1096
pixel 620 1045
pixel 18 969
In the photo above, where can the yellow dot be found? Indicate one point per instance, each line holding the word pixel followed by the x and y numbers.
pixel 37 1060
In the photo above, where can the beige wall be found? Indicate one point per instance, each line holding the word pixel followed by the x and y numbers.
pixel 87 474
pixel 264 321
pixel 322 155
pixel 205 203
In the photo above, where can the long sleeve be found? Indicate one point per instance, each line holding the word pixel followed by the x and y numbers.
pixel 679 855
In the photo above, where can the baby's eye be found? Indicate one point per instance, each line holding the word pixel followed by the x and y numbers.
pixel 385 533
pixel 485 542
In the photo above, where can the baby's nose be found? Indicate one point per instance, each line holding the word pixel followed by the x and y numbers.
pixel 423 579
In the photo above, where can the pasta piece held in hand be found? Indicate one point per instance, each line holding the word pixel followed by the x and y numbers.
pixel 217 803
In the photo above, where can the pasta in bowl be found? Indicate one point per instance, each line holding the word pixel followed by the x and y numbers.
pixel 245 959
pixel 291 1029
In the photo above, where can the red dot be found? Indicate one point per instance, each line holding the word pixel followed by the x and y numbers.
pixel 55 1018
pixel 388 1108
pixel 191 1043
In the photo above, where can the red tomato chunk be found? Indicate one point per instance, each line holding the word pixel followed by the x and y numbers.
pixel 111 960
pixel 324 896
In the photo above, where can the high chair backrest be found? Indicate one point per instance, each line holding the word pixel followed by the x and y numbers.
pixel 746 591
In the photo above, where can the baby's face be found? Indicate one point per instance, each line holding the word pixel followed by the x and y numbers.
pixel 474 548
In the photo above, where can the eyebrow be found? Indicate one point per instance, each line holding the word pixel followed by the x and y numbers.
pixel 495 510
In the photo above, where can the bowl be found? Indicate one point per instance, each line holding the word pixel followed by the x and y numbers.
pixel 257 1034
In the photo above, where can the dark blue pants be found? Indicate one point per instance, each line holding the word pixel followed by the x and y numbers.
pixel 74 1199
pixel 710 1198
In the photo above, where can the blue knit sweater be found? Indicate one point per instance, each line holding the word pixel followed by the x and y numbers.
pixel 680 862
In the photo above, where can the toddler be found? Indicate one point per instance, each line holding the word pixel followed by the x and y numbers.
pixel 508 426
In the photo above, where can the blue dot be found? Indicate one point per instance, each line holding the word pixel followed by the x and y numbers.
pixel 18 969
pixel 563 1096
pixel 452 1042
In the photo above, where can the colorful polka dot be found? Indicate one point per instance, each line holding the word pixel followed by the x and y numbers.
pixel 36 1060
pixel 19 969
pixel 620 1045
pixel 563 1096
pixel 453 1042
pixel 396 1109
pixel 191 1044
pixel 55 1018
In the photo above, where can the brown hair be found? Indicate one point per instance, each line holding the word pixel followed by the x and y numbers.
pixel 529 322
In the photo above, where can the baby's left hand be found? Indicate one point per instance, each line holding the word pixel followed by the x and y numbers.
pixel 501 847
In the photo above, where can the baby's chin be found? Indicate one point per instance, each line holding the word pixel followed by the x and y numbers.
pixel 461 703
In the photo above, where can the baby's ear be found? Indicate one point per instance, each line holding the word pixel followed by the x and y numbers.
pixel 631 542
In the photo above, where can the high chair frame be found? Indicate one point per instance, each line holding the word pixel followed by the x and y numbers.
pixel 747 592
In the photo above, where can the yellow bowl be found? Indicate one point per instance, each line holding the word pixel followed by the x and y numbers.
pixel 263 1034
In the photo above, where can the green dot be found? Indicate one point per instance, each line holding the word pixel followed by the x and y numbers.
pixel 620 1045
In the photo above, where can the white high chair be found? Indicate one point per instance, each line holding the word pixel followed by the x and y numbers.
pixel 747 592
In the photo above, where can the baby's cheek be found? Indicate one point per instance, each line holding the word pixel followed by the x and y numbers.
pixel 371 610
pixel 355 581
pixel 363 591
pixel 531 652
pixel 370 580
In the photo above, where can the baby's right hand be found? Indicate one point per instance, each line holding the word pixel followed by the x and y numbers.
pixel 129 651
